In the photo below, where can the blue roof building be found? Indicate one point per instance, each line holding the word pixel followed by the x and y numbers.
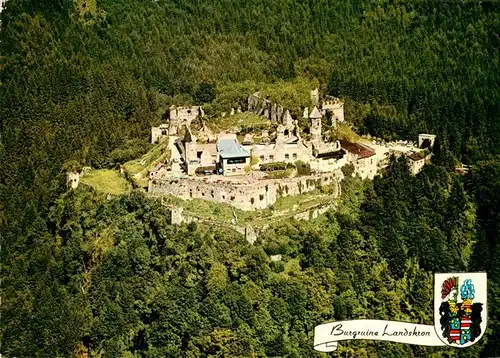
pixel 230 148
pixel 233 157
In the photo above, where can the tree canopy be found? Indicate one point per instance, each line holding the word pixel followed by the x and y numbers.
pixel 82 82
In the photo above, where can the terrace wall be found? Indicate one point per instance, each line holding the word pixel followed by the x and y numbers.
pixel 254 196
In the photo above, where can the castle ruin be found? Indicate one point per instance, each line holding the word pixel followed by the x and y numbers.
pixel 179 117
pixel 222 170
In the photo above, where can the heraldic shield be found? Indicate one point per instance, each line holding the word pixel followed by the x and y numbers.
pixel 460 311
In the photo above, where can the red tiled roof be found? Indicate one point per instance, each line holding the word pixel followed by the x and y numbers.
pixel 361 150
pixel 416 156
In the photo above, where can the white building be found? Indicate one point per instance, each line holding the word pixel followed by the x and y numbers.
pixel 416 162
pixel 362 157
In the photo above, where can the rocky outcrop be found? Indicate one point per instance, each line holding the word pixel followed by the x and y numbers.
pixel 263 107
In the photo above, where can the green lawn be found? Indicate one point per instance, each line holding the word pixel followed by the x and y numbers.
pixel 204 209
pixel 345 131
pixel 280 174
pixel 238 120
pixel 106 181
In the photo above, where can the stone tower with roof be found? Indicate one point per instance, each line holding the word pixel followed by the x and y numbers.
pixel 315 118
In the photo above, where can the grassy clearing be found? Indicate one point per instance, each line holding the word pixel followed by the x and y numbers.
pixel 207 209
pixel 292 203
pixel 287 207
pixel 204 209
pixel 345 131
pixel 138 169
pixel 238 120
pixel 280 174
pixel 106 181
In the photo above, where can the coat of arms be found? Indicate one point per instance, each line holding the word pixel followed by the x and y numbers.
pixel 460 308
pixel 460 316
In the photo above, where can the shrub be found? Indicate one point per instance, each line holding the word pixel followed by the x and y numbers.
pixel 348 170
pixel 192 226
pixel 249 128
pixel 303 168
pixel 131 149
pixel 72 166
pixel 269 167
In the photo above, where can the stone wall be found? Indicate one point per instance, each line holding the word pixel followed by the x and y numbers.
pixel 180 116
pixel 249 232
pixel 158 132
pixel 254 196
pixel 327 165
pixel 276 152
pixel 314 213
pixel 336 106
pixel 178 218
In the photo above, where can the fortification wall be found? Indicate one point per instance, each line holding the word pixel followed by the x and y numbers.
pixel 254 196
pixel 268 153
pixel 158 132
pixel 336 106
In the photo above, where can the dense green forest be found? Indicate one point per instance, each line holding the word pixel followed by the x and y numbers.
pixel 80 79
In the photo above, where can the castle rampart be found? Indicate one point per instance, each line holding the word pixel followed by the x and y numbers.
pixel 252 196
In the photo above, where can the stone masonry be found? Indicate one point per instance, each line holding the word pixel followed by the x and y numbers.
pixel 252 196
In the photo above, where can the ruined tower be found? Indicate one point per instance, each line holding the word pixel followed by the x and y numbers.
pixel 426 140
pixel 315 97
pixel 180 116
pixel 336 107
pixel 174 121
pixel 159 132
pixel 72 180
pixel 191 153
pixel 176 217
pixel 315 117
pixel 305 115
pixel 287 119
pixel 280 135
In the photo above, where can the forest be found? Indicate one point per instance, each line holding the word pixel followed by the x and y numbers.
pixel 84 80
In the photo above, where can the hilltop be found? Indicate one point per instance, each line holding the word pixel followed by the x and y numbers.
pixel 101 271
